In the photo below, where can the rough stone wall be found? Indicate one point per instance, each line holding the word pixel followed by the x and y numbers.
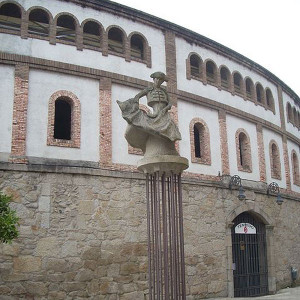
pixel 84 236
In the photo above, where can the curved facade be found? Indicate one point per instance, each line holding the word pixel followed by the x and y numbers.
pixel 81 201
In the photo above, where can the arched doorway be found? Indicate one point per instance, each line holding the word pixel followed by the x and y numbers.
pixel 249 256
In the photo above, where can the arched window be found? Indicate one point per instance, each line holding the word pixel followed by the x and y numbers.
pixel 66 28
pixel 195 63
pixel 275 160
pixel 38 22
pixel 137 47
pixel 200 142
pixel 243 149
pixel 295 168
pixel 289 113
pixel 225 77
pixel 91 34
pixel 211 72
pixel 259 93
pixel 269 99
pixel 64 120
pixel 249 89
pixel 295 117
pixel 115 40
pixel 10 16
pixel 237 81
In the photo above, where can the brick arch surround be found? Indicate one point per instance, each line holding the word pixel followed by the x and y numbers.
pixel 74 142
pixel 269 225
pixel 247 157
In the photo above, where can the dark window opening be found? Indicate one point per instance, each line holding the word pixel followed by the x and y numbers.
pixel 237 81
pixel 259 93
pixel 10 17
pixel 269 99
pixel 38 22
pixel 137 47
pixel 66 29
pixel 241 146
pixel 115 40
pixel 195 65
pixel 210 72
pixel 249 88
pixel 224 77
pixel 91 34
pixel 62 121
pixel 275 162
pixel 197 142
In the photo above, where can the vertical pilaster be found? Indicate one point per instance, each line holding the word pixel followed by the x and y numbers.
pixel 224 142
pixel 171 73
pixel 271 259
pixel 261 152
pixel 19 126
pixel 281 109
pixel 286 163
pixel 105 122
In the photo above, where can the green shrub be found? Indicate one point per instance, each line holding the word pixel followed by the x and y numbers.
pixel 8 220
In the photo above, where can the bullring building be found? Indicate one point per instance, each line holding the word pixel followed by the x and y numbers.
pixel 73 177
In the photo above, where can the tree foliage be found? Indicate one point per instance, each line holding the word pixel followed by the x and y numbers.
pixel 8 220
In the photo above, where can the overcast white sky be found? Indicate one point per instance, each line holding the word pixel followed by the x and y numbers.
pixel 266 31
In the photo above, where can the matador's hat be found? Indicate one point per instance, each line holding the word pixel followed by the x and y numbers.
pixel 159 75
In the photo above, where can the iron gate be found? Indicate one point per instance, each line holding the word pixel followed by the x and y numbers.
pixel 250 269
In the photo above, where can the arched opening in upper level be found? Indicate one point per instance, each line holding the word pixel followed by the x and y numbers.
pixel 249 89
pixel 238 83
pixel 195 64
pixel 211 72
pixel 137 46
pixel 66 28
pixel 295 168
pixel 225 77
pixel 38 22
pixel 289 113
pixel 243 148
pixel 270 100
pixel 259 94
pixel 115 40
pixel 275 160
pixel 62 119
pixel 92 34
pixel 10 16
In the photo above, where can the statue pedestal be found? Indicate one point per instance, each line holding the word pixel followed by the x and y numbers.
pixel 166 264
pixel 163 164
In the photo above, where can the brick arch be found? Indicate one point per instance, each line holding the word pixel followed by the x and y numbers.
pixel 190 73
pixel 147 48
pixel 295 167
pixel 126 43
pixel 210 79
pixel 252 209
pixel 238 89
pixel 289 113
pixel 243 150
pixel 225 85
pixel 51 20
pixel 204 141
pixel 74 142
pixel 258 86
pixel 78 31
pixel 275 162
pixel 22 29
pixel 270 97
pixel 250 95
pixel 102 30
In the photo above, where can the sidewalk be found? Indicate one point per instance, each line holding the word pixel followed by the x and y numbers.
pixel 285 294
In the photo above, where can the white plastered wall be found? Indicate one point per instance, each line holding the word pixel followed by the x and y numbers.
pixel 6 108
pixel 89 58
pixel 289 126
pixel 233 124
pixel 187 112
pixel 269 135
pixel 42 84
pixel 183 49
pixel 119 144
pixel 293 146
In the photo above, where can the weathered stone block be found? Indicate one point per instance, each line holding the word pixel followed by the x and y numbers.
pixel 27 264
pixel 44 203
